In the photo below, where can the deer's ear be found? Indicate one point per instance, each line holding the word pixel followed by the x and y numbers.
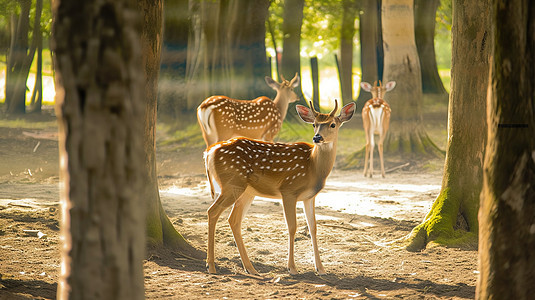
pixel 390 85
pixel 346 113
pixel 272 83
pixel 366 86
pixel 305 113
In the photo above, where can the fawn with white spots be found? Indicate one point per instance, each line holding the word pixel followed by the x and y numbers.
pixel 241 168
pixel 221 117
pixel 376 120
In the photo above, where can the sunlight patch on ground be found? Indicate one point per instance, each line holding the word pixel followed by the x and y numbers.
pixel 379 198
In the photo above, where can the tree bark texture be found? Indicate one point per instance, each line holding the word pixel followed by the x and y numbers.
pixel 99 105
pixel 407 136
pixel 160 230
pixel 507 213
pixel 371 46
pixel 424 27
pixel 346 49
pixel 452 220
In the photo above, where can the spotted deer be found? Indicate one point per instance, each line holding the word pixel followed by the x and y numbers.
pixel 241 168
pixel 221 117
pixel 376 120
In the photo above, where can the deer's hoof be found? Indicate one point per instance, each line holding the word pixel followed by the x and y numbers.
pixel 211 268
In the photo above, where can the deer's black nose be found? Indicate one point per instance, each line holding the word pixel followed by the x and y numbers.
pixel 317 138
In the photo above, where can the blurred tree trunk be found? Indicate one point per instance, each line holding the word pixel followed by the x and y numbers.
pixel 208 59
pixel 99 105
pixel 425 19
pixel 160 230
pixel 453 218
pixel 172 83
pixel 226 50
pixel 346 49
pixel 291 49
pixel 407 136
pixel 37 95
pixel 371 46
pixel 507 213
pixel 18 61
pixel 247 36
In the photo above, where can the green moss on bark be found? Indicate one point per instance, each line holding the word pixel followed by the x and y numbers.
pixel 440 226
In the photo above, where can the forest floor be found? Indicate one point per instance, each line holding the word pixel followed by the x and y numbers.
pixel 358 218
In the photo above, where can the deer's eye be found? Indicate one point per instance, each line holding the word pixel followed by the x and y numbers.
pixel 333 125
pixel 313 125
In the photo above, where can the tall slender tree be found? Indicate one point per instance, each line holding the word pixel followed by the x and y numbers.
pixel 371 46
pixel 507 213
pixel 291 29
pixel 172 83
pixel 453 218
pixel 424 27
pixel 19 60
pixel 100 103
pixel 346 48
pixel 247 36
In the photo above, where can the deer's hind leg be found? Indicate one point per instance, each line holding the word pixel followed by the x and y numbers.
pixel 224 200
pixel 235 220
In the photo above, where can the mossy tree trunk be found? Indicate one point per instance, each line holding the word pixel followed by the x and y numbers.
pixel 453 218
pixel 407 136
pixel 99 105
pixel 160 230
pixel 507 213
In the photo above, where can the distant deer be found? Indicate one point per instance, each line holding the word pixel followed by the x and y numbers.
pixel 376 120
pixel 221 117
pixel 241 168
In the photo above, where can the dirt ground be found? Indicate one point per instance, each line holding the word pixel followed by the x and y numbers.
pixel 358 218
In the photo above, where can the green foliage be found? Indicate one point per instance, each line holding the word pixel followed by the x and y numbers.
pixel 320 30
pixel 10 7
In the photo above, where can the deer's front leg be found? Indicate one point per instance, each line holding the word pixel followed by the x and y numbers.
pixel 310 213
pixel 291 221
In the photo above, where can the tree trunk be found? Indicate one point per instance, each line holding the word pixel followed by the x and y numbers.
pixel 425 19
pixel 346 49
pixel 452 220
pixel 160 230
pixel 19 62
pixel 407 136
pixel 507 213
pixel 291 49
pixel 247 35
pixel 172 83
pixel 208 60
pixel 371 46
pixel 37 95
pixel 99 105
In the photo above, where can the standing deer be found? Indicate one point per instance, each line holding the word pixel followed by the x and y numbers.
pixel 241 168
pixel 376 119
pixel 221 117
